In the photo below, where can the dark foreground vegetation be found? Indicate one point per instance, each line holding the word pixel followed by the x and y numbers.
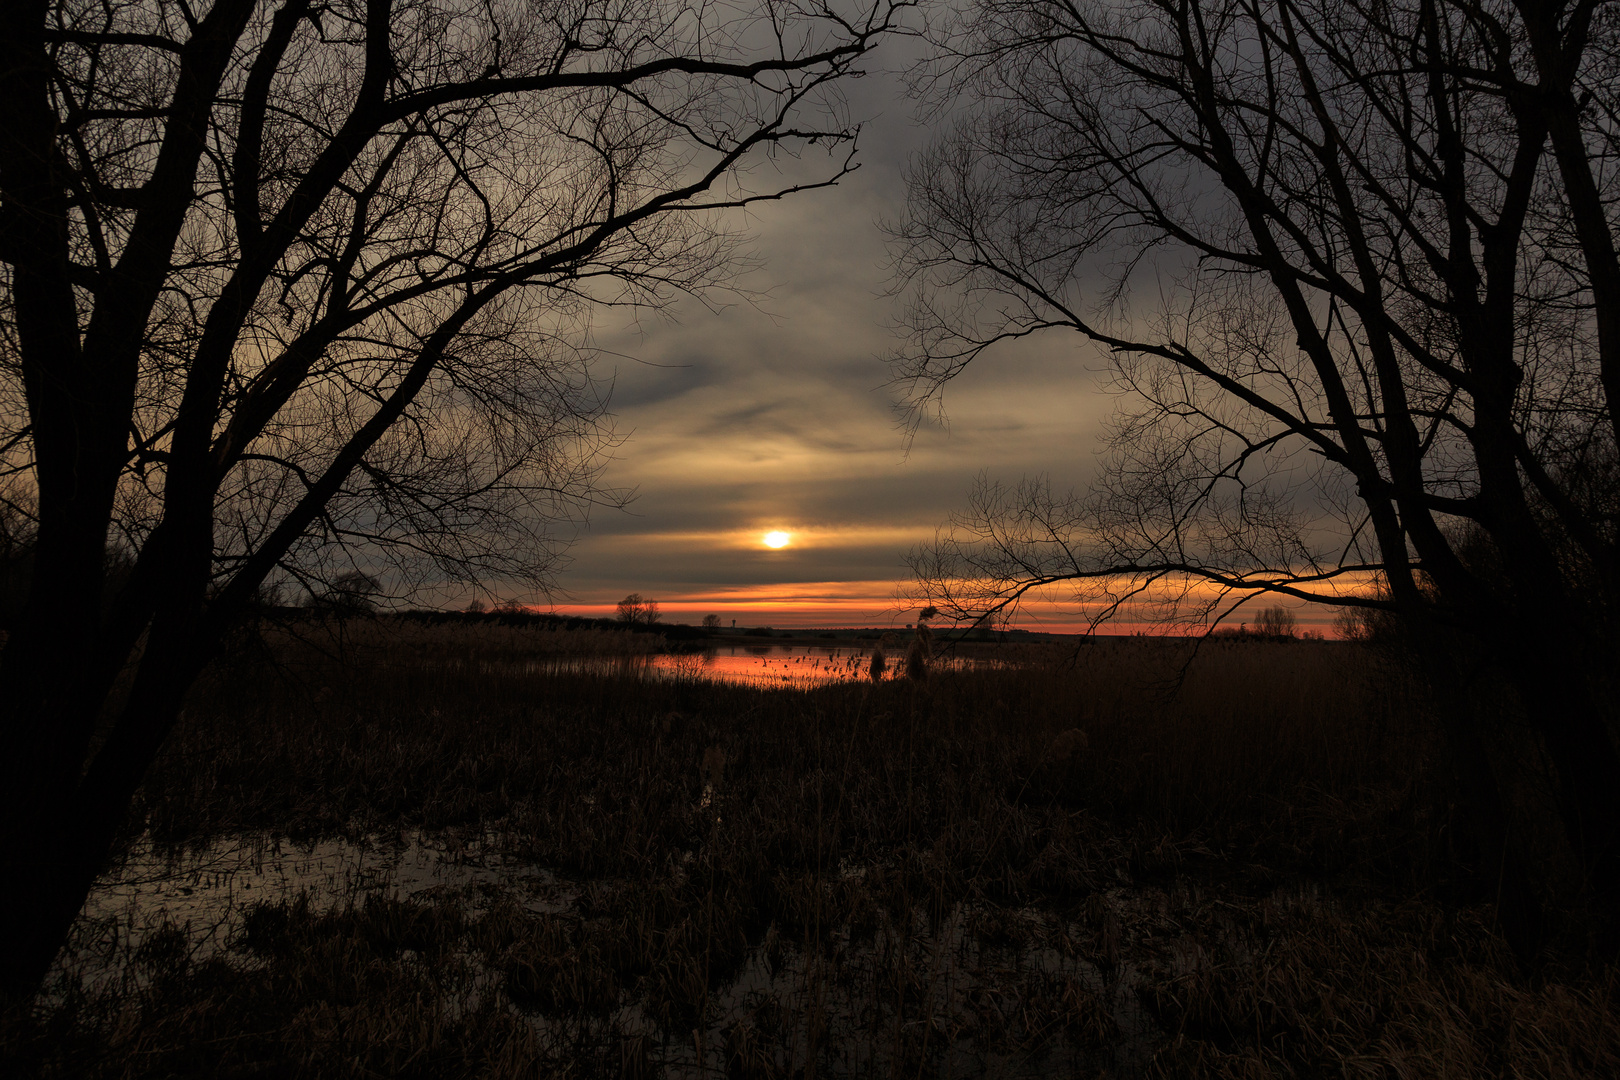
pixel 1246 866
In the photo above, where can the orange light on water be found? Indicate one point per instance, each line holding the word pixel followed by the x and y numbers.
pixel 777 539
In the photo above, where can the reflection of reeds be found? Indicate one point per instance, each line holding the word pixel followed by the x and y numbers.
pixel 917 660
pixel 1236 874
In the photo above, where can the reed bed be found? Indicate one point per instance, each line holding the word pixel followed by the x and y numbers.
pixel 1134 858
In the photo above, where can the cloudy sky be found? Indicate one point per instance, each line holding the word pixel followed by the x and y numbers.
pixel 775 416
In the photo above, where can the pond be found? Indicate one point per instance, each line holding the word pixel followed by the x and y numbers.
pixel 789 665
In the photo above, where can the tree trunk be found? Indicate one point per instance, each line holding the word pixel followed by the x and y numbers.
pixel 61 818
pixel 45 740
pixel 1557 695
pixel 1542 838
pixel 1503 868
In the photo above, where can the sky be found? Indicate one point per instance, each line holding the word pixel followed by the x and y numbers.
pixel 776 415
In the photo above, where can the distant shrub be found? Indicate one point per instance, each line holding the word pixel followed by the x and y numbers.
pixel 352 592
pixel 637 610
pixel 1275 622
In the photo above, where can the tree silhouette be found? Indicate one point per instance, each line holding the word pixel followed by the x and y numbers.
pixel 1355 269
pixel 1275 622
pixel 637 610
pixel 353 592
pixel 291 286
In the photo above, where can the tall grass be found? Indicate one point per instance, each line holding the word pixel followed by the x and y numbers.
pixel 1245 870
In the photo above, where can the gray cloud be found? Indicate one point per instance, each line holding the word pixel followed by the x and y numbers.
pixel 778 414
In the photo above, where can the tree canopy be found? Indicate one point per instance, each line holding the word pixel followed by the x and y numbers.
pixel 1354 268
pixel 299 290
pixel 637 610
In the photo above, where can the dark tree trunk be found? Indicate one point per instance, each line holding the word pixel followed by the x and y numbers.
pixel 61 817
pixel 1553 683
pixel 1502 863
pixel 1497 699
pixel 47 728
pixel 89 237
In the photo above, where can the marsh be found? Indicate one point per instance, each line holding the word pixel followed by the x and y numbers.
pixel 352 862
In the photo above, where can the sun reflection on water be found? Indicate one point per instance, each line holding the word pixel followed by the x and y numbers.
pixel 799 666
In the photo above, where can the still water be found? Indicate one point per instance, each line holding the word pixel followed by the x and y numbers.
pixel 798 666
pixel 966 976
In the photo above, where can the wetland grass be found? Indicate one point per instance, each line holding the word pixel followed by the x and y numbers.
pixel 1240 864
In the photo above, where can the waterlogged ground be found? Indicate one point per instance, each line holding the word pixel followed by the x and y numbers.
pixel 205 892
pixel 1000 990
pixel 1133 860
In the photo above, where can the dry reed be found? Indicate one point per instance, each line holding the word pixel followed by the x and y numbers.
pixel 1239 867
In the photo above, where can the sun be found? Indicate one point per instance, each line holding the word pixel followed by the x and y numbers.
pixel 777 539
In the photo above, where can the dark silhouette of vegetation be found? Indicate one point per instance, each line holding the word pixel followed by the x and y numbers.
pixel 1355 269
pixel 351 593
pixel 1275 622
pixel 17 531
pixel 637 610
pixel 1170 866
pixel 291 287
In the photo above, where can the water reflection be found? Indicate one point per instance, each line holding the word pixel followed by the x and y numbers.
pixel 977 974
pixel 206 891
pixel 797 666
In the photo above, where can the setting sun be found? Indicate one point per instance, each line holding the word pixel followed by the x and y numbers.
pixel 777 539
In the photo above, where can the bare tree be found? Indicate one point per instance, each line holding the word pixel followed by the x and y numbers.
pixel 637 610
pixel 352 592
pixel 1275 622
pixel 1354 266
pixel 296 289
pixel 711 622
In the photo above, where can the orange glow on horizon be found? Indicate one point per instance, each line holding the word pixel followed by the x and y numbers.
pixel 833 604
